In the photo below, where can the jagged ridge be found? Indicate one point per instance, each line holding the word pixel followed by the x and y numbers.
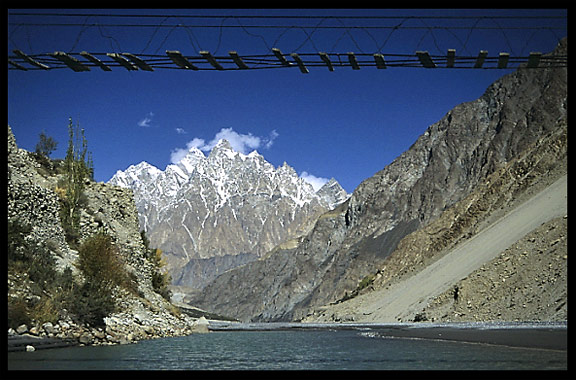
pixel 227 205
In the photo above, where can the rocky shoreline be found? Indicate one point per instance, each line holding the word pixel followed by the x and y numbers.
pixel 120 329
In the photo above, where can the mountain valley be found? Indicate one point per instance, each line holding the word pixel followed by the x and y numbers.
pixel 362 243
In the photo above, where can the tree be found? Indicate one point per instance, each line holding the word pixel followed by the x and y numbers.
pixel 77 169
pixel 46 145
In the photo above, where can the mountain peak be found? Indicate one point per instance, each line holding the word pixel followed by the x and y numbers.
pixel 195 152
pixel 223 144
pixel 191 159
pixel 135 174
pixel 223 148
pixel 143 165
pixel 333 193
pixel 254 153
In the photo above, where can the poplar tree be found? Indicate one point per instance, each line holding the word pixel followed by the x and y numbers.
pixel 77 169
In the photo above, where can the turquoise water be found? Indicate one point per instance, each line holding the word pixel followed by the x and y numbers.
pixel 290 350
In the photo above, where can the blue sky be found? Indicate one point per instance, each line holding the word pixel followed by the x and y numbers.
pixel 347 124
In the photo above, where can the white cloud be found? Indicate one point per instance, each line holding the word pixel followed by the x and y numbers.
pixel 316 182
pixel 196 143
pixel 177 155
pixel 243 143
pixel 145 122
pixel 180 131
pixel 270 140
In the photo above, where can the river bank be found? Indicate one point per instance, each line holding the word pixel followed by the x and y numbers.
pixel 540 335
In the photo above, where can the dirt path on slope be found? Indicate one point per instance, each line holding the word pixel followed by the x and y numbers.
pixel 409 296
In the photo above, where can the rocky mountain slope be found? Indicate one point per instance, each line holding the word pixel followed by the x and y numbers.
pixel 354 242
pixel 496 290
pixel 210 214
pixel 34 200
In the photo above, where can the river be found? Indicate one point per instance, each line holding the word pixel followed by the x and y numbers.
pixel 286 348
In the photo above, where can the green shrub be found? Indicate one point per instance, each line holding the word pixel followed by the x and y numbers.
pixel 18 312
pixel 91 302
pixel 99 261
pixel 103 270
pixel 17 244
pixel 34 259
pixel 160 280
pixel 366 281
pixel 47 309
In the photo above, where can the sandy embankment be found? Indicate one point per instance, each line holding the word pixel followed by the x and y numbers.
pixel 403 300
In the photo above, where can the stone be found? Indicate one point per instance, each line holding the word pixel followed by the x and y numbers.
pixel 124 340
pixel 22 329
pixel 30 348
pixel 201 326
pixel 49 328
pixel 85 338
pixel 99 334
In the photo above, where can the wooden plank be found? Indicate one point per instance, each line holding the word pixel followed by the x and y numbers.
pixel 179 60
pixel 503 60
pixel 380 62
pixel 16 65
pixel 300 63
pixel 211 60
pixel 69 61
pixel 280 57
pixel 480 59
pixel 450 58
pixel 138 62
pixel 326 60
pixel 237 60
pixel 425 59
pixel 534 60
pixel 353 61
pixel 95 61
pixel 123 61
pixel 30 60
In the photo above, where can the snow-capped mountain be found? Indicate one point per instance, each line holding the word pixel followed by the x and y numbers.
pixel 220 205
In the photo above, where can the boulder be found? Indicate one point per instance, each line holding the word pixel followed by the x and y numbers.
pixel 22 329
pixel 49 328
pixel 200 326
pixel 86 338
